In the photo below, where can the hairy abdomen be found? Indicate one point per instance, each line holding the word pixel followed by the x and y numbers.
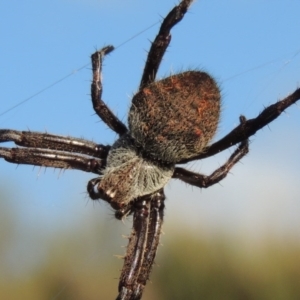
pixel 175 118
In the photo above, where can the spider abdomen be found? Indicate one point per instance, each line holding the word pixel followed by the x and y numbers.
pixel 176 117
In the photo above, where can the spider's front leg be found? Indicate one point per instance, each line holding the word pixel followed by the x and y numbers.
pixel 204 181
pixel 142 246
pixel 154 231
pixel 99 106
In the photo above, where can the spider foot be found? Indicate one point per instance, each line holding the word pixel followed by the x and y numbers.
pixel 104 51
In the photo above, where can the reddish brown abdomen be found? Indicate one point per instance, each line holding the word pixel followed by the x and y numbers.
pixel 176 117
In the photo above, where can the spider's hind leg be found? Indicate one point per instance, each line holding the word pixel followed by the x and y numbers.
pixel 162 41
pixel 99 106
pixel 48 150
pixel 33 139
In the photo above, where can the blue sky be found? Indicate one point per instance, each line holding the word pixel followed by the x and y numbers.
pixel 251 47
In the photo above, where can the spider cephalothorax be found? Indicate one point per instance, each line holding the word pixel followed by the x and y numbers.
pixel 171 121
pixel 129 175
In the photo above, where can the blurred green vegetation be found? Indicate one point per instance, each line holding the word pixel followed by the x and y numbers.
pixel 223 268
pixel 81 265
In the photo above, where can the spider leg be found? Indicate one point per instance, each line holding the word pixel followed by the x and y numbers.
pixel 154 231
pixel 54 151
pixel 136 248
pixel 53 142
pixel 142 246
pixel 249 127
pixel 162 41
pixel 99 106
pixel 204 181
pixel 52 158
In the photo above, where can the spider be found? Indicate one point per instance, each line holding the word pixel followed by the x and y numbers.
pixel 170 122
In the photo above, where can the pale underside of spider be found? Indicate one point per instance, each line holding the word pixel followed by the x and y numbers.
pixel 171 122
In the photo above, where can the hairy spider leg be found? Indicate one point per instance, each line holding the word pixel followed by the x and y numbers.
pixel 135 249
pixel 142 246
pixel 162 41
pixel 48 150
pixel 99 106
pixel 154 232
pixel 203 181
